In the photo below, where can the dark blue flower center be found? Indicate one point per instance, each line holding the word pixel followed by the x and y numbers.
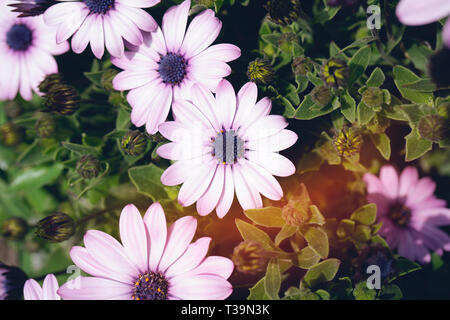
pixel 172 68
pixel 99 6
pixel 400 214
pixel 228 147
pixel 150 286
pixel 19 37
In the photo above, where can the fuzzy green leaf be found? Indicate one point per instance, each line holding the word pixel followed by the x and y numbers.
pixel 267 217
pixel 383 144
pixel 322 272
pixel 272 280
pixel 358 64
pixel 250 232
pixel 367 214
pixel 404 76
pixel 416 146
pixel 376 79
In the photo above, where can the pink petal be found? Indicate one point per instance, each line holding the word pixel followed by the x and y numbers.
pixel 128 30
pixel 197 183
pixel 113 40
pixel 389 179
pixel 421 191
pixel 203 99
pixel 246 99
pixel 183 150
pixel 224 52
pixel 71 24
pixel 80 39
pixel 210 198
pixel 190 259
pixel 373 184
pixel 134 237
pixel 97 39
pixel 202 70
pixel 265 127
pixel 277 142
pixel 274 163
pixel 408 178
pixel 9 85
pixel 179 236
pixel 191 116
pixel 215 265
pixel 226 103
pixel 247 196
pixel 32 290
pixel 159 110
pixel 258 177
pixel 49 288
pixel 200 287
pixel 406 246
pixel 127 80
pixel 91 288
pixel 155 222
pixel 174 25
pixel 178 172
pixel 140 18
pixel 260 110
pixel 227 196
pixel 139 3
pixel 418 12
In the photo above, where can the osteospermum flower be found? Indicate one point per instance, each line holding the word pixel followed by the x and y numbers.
pixel 152 263
pixel 12 280
pixel 27 47
pixel 419 12
pixel 170 60
pixel 33 291
pixel 224 144
pixel 410 213
pixel 101 23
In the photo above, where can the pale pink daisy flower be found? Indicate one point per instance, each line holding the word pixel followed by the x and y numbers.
pixel 170 61
pixel 410 213
pixel 33 291
pixel 152 263
pixel 101 23
pixel 420 12
pixel 27 47
pixel 224 144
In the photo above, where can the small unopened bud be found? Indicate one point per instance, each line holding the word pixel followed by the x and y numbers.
pixel 50 81
pixel 13 109
pixel 14 228
pixel 433 127
pixel 283 12
pixel 57 227
pixel 62 99
pixel 10 134
pixel 373 97
pixel 107 79
pixel 321 95
pixel 335 73
pixel 88 167
pixel 134 143
pixel 45 126
pixel 348 142
pixel 260 71
pixel 249 257
pixel 301 66
pixel 296 211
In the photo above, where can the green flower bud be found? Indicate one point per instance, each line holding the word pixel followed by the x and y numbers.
pixel 335 73
pixel 62 99
pixel 134 143
pixel 57 227
pixel 283 12
pixel 13 109
pixel 433 127
pixel 107 79
pixel 348 142
pixel 249 257
pixel 301 66
pixel 321 95
pixel 286 38
pixel 45 126
pixel 88 167
pixel 50 81
pixel 260 71
pixel 14 228
pixel 373 97
pixel 10 134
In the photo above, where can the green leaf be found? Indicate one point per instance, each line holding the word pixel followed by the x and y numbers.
pixel 322 272
pixel 376 79
pixel 404 76
pixel 358 64
pixel 383 144
pixel 80 149
pixel 36 177
pixel 250 232
pixel 419 55
pixel 318 240
pixel 416 146
pixel 362 292
pixel 286 231
pixel 316 216
pixel 272 280
pixel 309 110
pixel 267 217
pixel 95 77
pixel 405 266
pixel 258 292
pixel 365 114
pixel 367 214
pixel 147 180
pixel 306 258
pixel 391 292
pixel 421 85
pixel 348 107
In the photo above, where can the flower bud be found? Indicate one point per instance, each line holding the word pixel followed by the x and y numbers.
pixel 249 257
pixel 50 81
pixel 373 97
pixel 88 167
pixel 335 73
pixel 12 280
pixel 301 66
pixel 321 95
pixel 57 227
pixel 134 143
pixel 45 126
pixel 296 212
pixel 13 109
pixel 14 228
pixel 433 127
pixel 283 12
pixel 260 71
pixel 10 134
pixel 107 79
pixel 62 99
pixel 348 142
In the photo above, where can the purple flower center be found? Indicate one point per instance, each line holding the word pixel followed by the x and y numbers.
pixel 172 68
pixel 400 214
pixel 99 6
pixel 19 37
pixel 228 147
pixel 150 286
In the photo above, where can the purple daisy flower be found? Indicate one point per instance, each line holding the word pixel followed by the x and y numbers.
pixel 101 23
pixel 27 47
pixel 33 291
pixel 170 61
pixel 420 12
pixel 224 144
pixel 152 263
pixel 410 213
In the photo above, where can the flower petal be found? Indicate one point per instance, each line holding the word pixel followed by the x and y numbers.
pixel 49 288
pixel 174 25
pixel 275 163
pixel 91 288
pixel 210 198
pixel 200 287
pixel 32 290
pixel 418 12
pixel 155 222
